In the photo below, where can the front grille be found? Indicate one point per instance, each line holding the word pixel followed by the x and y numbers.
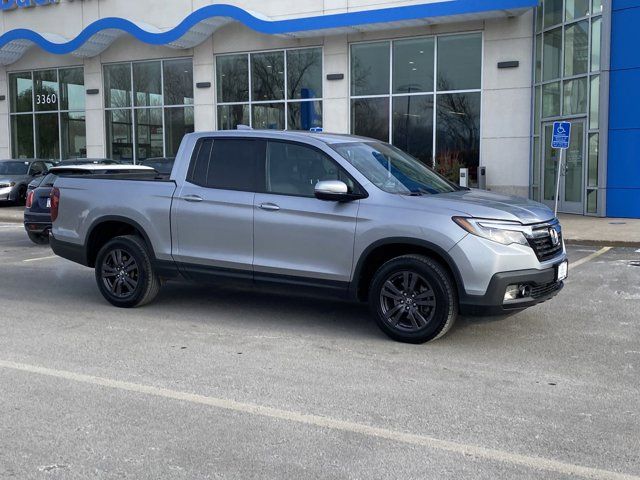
pixel 542 241
pixel 543 290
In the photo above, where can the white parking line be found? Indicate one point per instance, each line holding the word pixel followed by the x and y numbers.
pixel 41 258
pixel 501 456
pixel 586 259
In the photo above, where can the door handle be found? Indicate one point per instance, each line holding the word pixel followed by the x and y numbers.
pixel 192 198
pixel 270 207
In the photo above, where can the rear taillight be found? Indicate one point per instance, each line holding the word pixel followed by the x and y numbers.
pixel 29 199
pixel 55 203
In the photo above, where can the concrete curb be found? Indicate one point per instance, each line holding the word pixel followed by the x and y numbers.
pixel 11 216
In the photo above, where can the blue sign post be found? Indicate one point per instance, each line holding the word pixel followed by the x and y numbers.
pixel 560 141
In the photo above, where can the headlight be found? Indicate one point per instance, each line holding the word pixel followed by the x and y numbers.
pixel 498 231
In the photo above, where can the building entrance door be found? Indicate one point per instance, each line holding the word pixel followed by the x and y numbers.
pixel 572 174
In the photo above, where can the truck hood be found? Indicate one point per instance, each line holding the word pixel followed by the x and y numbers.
pixel 483 204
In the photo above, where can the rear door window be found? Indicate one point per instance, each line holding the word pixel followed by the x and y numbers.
pixel 226 163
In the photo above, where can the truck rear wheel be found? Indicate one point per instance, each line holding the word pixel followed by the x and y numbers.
pixel 124 272
pixel 413 299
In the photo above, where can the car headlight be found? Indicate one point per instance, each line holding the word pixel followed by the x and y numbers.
pixel 499 231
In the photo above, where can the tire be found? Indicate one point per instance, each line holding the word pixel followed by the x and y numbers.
pixel 427 315
pixel 21 199
pixel 126 261
pixel 38 238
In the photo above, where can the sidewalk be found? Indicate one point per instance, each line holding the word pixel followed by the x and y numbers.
pixel 11 214
pixel 610 232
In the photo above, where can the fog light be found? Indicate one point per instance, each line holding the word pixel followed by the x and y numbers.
pixel 517 292
pixel 512 293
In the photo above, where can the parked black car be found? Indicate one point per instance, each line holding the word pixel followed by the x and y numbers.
pixel 37 214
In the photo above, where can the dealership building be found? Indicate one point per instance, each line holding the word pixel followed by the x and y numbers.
pixel 456 83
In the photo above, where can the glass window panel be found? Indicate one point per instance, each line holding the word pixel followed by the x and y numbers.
pixel 178 82
pixel 45 83
pixel 458 135
pixel 241 173
pixel 459 62
pixel 267 76
pixel 304 115
pixel 304 73
pixel 119 135
pixel 552 12
pixel 147 82
pixel 72 92
pixel 413 126
pixel 594 105
pixel 232 74
pixel 178 122
pixel 413 65
pixel 370 69
pixel 538 66
pixel 47 136
pixel 597 7
pixel 295 169
pixel 535 177
pixel 536 111
pixel 551 100
pixel 552 54
pixel 22 136
pixel 21 86
pixel 592 201
pixel 576 49
pixel 268 116
pixel 149 133
pixel 596 43
pixel 551 157
pixel 539 13
pixel 594 140
pixel 74 135
pixel 230 116
pixel 576 9
pixel 117 85
pixel 575 96
pixel 370 118
pixel 574 165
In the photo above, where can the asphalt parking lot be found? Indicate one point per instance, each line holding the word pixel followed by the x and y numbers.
pixel 213 383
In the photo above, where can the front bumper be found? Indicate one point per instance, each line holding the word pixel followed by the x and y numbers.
pixel 8 194
pixel 542 283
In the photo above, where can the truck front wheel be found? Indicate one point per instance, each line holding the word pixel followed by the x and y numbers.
pixel 124 272
pixel 413 299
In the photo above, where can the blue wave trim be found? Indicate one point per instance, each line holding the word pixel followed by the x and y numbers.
pixel 323 22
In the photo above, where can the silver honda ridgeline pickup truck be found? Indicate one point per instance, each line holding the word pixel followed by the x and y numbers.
pixel 346 215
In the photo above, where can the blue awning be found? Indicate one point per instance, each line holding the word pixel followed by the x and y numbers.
pixel 202 23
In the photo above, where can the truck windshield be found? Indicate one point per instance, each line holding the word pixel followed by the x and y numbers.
pixel 392 170
pixel 14 168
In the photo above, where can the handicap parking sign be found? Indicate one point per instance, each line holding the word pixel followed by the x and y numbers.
pixel 561 135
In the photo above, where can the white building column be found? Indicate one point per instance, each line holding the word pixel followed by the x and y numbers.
pixel 204 98
pixel 95 117
pixel 5 128
pixel 335 108
pixel 506 104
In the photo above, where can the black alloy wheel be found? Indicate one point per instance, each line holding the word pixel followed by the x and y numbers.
pixel 120 273
pixel 124 272
pixel 414 299
pixel 407 301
